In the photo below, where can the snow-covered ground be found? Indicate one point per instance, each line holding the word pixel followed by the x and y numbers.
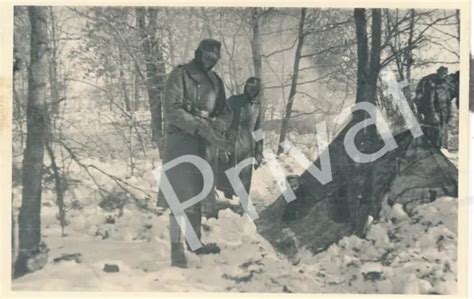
pixel 400 254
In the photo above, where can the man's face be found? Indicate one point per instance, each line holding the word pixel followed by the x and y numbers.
pixel 442 74
pixel 209 59
pixel 253 89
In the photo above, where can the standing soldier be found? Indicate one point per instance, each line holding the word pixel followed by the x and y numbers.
pixel 247 117
pixel 196 116
pixel 433 102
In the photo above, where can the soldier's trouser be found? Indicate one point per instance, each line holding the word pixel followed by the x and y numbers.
pixel 209 207
pixel 194 216
pixel 437 134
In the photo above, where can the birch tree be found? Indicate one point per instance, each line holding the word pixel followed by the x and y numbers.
pixel 37 125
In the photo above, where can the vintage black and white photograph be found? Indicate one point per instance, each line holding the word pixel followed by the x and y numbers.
pixel 236 149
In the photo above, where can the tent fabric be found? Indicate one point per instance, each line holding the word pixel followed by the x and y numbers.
pixel 414 172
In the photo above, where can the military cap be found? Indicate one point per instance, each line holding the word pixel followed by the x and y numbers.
pixel 253 81
pixel 442 69
pixel 210 45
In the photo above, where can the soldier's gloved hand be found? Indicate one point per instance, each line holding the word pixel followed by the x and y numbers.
pixel 207 131
pixel 215 139
pixel 219 125
pixel 224 157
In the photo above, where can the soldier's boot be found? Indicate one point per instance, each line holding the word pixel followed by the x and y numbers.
pixel 194 217
pixel 178 259
pixel 209 207
pixel 209 248
pixel 228 195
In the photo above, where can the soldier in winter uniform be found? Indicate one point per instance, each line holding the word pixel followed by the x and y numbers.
pixel 196 117
pixel 433 101
pixel 247 117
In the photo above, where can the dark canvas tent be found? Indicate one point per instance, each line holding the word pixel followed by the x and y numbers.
pixel 322 214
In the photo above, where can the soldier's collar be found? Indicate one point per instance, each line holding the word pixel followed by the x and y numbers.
pixel 193 69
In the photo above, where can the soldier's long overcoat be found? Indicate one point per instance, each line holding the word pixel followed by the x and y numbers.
pixel 247 118
pixel 189 92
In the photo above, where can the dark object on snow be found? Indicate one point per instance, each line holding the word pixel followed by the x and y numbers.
pixel 114 201
pixel 69 257
pixel 110 219
pixel 210 248
pixel 242 279
pixel 414 172
pixel 111 268
pixel 373 275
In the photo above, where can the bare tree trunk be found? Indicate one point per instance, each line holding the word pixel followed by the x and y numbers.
pixel 294 82
pixel 155 68
pixel 59 189
pixel 53 114
pixel 360 176
pixel 53 64
pixel 256 45
pixel 136 94
pixel 37 124
pixel 375 51
pixel 123 87
pixel 171 42
pixel 362 53
pixel 458 21
pixel 409 54
pixel 368 64
pixel 123 83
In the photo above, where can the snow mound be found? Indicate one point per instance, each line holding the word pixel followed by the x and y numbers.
pixel 400 255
